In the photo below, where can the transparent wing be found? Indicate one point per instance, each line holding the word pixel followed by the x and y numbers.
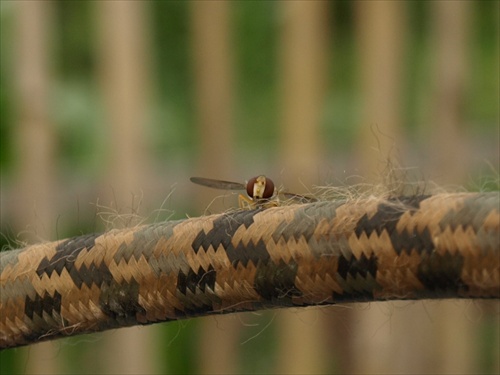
pixel 218 184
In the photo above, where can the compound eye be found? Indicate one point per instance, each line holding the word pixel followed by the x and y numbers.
pixel 269 189
pixel 250 185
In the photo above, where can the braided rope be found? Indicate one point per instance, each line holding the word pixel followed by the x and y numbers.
pixel 441 246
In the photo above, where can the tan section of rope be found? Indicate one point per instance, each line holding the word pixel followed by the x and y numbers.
pixel 442 246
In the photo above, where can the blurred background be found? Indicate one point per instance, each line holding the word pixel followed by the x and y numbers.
pixel 107 108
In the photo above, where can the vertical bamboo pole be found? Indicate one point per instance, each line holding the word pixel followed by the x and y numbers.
pixel 303 66
pixel 123 73
pixel 380 32
pixel 35 145
pixel 34 136
pixel 450 156
pixel 303 59
pixel 380 36
pixel 213 83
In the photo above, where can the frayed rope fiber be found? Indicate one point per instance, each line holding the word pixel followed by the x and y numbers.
pixel 420 247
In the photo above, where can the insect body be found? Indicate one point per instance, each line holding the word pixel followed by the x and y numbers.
pixel 260 190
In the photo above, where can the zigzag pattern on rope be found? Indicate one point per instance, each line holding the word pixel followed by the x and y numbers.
pixel 441 246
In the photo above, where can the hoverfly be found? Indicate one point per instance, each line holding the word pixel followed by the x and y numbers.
pixel 260 190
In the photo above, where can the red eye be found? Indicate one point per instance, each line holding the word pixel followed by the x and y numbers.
pixel 269 189
pixel 260 187
pixel 250 185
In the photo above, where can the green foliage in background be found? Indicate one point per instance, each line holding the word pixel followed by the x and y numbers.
pixel 78 112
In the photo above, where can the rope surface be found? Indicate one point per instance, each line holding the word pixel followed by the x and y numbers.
pixel 440 246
